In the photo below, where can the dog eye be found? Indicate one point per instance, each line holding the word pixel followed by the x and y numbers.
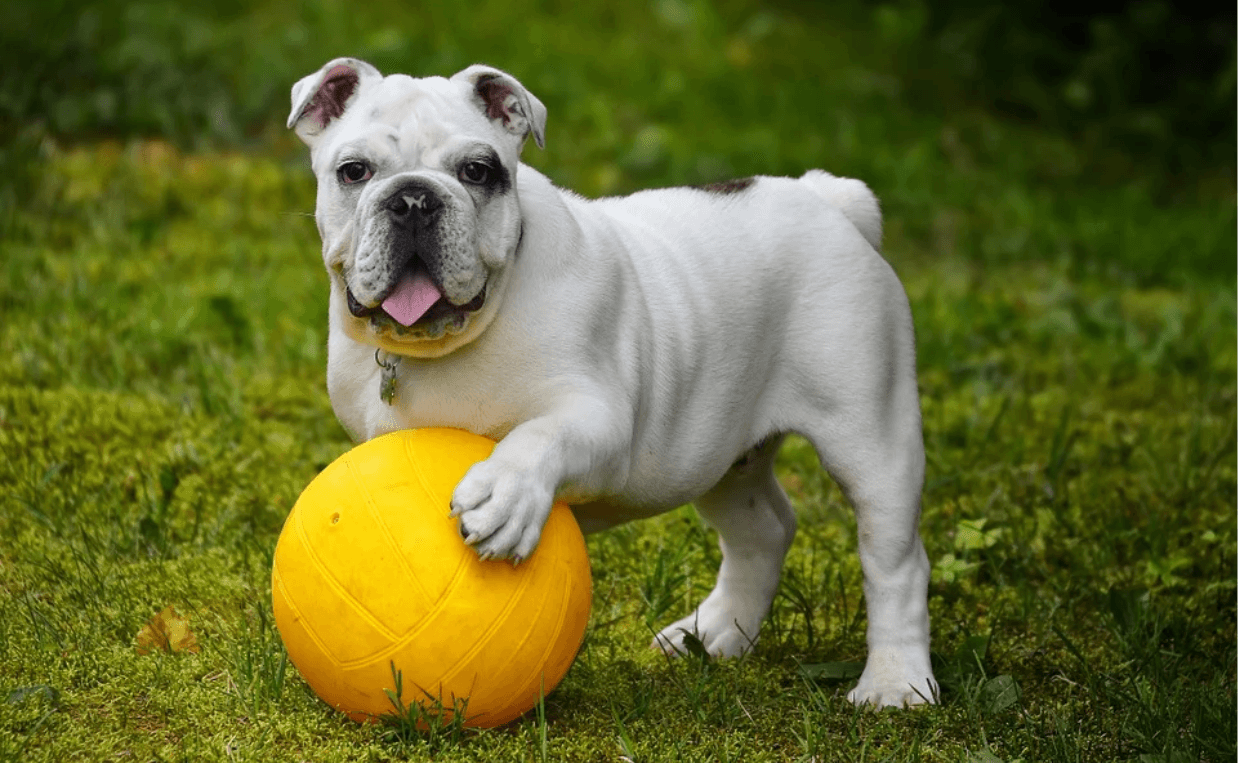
pixel 477 173
pixel 354 172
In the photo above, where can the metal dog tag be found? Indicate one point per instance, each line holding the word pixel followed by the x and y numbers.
pixel 387 386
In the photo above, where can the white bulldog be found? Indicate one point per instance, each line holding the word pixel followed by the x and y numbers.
pixel 629 354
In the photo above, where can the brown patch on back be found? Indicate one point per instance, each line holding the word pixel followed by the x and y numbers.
pixel 727 187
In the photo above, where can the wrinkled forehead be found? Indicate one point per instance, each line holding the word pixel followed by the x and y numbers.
pixel 433 107
pixel 415 118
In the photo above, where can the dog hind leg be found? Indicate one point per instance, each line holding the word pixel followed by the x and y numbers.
pixel 755 525
pixel 876 454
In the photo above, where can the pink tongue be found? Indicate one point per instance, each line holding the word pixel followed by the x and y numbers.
pixel 413 296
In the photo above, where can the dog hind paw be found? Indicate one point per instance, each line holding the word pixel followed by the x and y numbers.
pixel 881 686
pixel 720 633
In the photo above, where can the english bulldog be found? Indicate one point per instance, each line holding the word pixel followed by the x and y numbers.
pixel 629 354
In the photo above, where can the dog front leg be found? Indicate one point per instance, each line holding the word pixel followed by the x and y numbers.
pixel 503 502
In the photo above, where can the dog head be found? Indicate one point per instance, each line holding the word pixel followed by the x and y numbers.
pixel 417 205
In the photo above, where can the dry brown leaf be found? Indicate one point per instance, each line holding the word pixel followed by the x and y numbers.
pixel 167 632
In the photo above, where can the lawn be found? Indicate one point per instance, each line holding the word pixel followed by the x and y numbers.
pixel 162 395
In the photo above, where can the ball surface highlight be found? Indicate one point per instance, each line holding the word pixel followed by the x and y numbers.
pixel 371 573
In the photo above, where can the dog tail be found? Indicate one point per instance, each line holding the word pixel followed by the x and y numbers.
pixel 853 198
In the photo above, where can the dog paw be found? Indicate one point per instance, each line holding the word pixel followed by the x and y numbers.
pixel 501 510
pixel 891 679
pixel 724 629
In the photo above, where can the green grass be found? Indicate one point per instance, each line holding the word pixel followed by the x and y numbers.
pixel 162 401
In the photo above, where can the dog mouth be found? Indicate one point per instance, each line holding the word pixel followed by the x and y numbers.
pixel 415 301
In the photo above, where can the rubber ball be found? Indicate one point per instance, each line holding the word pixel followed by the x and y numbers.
pixel 371 580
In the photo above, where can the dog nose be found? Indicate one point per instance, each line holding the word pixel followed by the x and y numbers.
pixel 413 206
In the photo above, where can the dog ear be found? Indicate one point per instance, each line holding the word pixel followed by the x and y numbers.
pixel 502 98
pixel 322 97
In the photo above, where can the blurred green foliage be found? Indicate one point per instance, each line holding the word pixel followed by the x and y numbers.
pixel 969 120
pixel 1153 76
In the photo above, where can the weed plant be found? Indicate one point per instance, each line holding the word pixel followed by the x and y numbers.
pixel 162 397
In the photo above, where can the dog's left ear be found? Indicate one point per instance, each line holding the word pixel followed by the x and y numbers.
pixel 504 99
pixel 322 97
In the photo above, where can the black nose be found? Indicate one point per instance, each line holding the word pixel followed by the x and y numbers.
pixel 413 206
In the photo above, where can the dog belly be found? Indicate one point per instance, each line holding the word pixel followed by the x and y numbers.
pixel 595 516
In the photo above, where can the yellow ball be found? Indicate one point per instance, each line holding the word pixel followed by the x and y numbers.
pixel 370 572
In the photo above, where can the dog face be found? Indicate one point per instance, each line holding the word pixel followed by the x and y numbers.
pixel 417 205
